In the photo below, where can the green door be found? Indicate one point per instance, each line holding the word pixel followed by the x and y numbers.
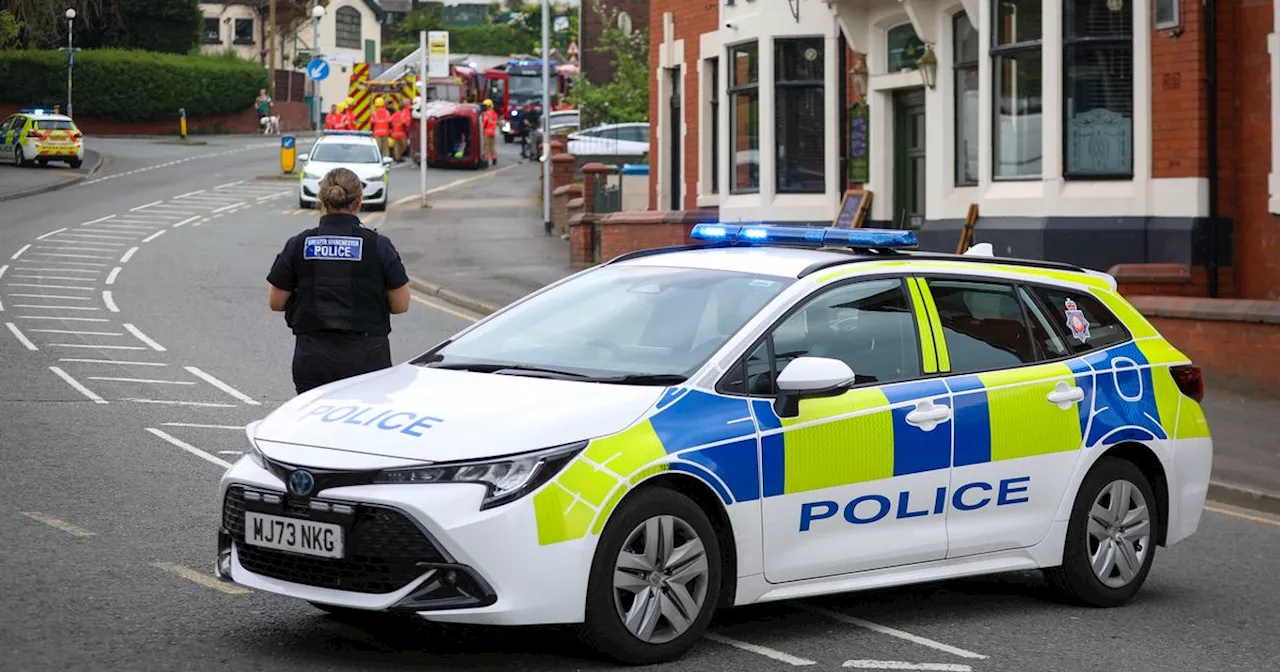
pixel 370 51
pixel 908 158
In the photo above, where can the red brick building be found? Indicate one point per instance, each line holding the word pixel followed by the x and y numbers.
pixel 1088 131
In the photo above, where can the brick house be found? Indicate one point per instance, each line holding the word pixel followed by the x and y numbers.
pixel 1081 128
pixel 595 66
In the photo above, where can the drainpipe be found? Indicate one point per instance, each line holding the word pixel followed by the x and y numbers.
pixel 1211 82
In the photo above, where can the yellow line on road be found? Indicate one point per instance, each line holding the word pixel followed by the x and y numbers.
pixel 1244 516
pixel 202 579
pixel 63 525
pixel 443 309
pixel 451 185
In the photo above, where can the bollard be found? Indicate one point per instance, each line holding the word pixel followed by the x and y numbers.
pixel 288 153
pixel 182 122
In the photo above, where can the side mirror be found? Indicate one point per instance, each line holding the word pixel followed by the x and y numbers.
pixel 386 160
pixel 303 157
pixel 809 377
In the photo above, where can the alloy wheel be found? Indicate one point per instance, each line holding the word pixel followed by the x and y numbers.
pixel 1118 535
pixel 660 579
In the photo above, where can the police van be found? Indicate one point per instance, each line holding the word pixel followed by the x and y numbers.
pixel 771 413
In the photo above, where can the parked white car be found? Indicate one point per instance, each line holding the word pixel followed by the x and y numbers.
pixel 630 139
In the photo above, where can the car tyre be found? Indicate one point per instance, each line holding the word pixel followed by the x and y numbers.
pixel 506 137
pixel 665 530
pixel 379 207
pixel 75 163
pixel 303 205
pixel 1111 537
pixel 18 158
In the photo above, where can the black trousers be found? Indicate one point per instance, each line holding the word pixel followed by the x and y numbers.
pixel 323 357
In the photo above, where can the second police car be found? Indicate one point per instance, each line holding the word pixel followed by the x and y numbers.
pixel 356 151
pixel 774 413
pixel 40 136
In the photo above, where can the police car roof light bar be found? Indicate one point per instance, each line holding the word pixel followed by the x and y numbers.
pixel 364 133
pixel 806 236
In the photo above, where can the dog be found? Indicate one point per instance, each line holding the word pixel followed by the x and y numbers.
pixel 270 125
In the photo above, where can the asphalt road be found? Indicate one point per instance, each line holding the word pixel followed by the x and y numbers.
pixel 122 396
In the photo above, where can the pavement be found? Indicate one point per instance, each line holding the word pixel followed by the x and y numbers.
pixel 32 180
pixel 135 346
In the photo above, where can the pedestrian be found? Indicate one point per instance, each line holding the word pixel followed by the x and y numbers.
pixel 262 105
pixel 400 132
pixel 333 120
pixel 381 124
pixel 489 124
pixel 338 285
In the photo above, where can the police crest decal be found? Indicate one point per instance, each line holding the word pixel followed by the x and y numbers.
pixel 1076 322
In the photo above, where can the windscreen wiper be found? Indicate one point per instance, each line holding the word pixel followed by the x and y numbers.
pixel 663 379
pixel 487 367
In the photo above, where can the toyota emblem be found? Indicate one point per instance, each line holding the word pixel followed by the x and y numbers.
pixel 301 482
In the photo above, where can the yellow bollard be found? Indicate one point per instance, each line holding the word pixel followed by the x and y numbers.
pixel 288 153
pixel 182 122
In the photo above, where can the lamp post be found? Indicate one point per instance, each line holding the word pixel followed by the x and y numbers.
pixel 317 13
pixel 71 55
pixel 546 116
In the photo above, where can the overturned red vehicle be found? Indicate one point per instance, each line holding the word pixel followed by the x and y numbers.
pixel 453 135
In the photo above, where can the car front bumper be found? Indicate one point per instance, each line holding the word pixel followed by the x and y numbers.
pixel 423 548
pixel 374 192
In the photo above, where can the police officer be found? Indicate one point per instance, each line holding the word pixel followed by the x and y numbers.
pixel 338 285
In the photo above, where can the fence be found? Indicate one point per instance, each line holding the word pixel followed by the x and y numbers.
pixel 291 86
pixel 608 197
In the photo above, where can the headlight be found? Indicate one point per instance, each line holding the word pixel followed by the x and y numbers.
pixel 307 174
pixel 257 456
pixel 506 479
pixel 378 178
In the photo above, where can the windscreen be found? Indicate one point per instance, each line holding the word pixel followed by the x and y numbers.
pixel 528 88
pixel 346 152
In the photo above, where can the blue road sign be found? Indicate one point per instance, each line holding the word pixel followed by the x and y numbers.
pixel 287 142
pixel 318 69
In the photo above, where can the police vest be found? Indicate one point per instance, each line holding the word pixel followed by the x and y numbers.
pixel 341 286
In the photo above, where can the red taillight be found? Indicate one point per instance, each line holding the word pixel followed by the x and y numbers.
pixel 1189 381
pixel 35 135
pixel 76 135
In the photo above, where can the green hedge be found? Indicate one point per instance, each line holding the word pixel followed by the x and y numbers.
pixel 132 85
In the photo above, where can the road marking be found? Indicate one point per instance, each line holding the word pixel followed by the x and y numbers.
pixel 78 333
pixel 128 255
pixel 185 221
pixel 114 235
pixel 95 240
pixel 189 193
pixel 60 317
pixel 189 448
pixel 70 256
pixel 74 530
pixel 52 296
pixel 76 384
pixel 153 236
pixel 110 361
pixel 231 452
pixel 57 270
pixel 68 263
pixel 17 333
pixel 132 224
pixel 3 269
pixel 111 303
pixel 96 346
pixel 761 650
pixel 19 252
pixel 100 219
pixel 200 426
pixel 458 183
pixel 220 385
pixel 278 194
pixel 1243 516
pixel 72 247
pixel 55 277
pixel 143 337
pixel 228 207
pixel 892 632
pixel 142 207
pixel 899 665
pixel 229 184
pixel 201 404
pixel 143 380
pixel 443 309
pixel 27 305
pixel 111 277
pixel 201 579
pixel 51 233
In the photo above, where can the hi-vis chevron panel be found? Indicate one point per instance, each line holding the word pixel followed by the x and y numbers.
pixel 364 90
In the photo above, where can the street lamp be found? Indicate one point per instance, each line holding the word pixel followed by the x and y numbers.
pixel 928 66
pixel 317 13
pixel 71 56
pixel 859 73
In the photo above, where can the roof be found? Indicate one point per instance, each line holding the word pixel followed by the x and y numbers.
pixel 44 115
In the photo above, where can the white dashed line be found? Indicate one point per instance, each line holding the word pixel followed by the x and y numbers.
pixel 143 207
pixel 900 665
pixel 220 385
pixel 189 448
pixel 170 402
pixel 111 277
pixel 76 384
pixel 51 296
pixel 128 255
pixel 199 426
pixel 19 252
pixel 114 235
pixel 229 184
pixel 53 277
pixel 32 284
pixel 189 193
pixel 185 221
pixel 143 337
pixel 761 650
pixel 17 333
pixel 227 207
pixel 153 236
pixel 60 317
pixel 68 263
pixel 78 333
pixel 96 347
pixel 73 530
pixel 3 269
pixel 26 305
pixel 111 304
pixel 75 247
pixel 892 632
pixel 51 233
pixel 70 256
pixel 112 362
pixel 152 381
pixel 100 219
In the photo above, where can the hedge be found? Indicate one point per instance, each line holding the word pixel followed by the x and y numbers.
pixel 132 85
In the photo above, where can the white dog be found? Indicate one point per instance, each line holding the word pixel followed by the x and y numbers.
pixel 270 125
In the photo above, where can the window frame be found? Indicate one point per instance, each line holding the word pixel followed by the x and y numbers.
pixel 235 32
pixel 339 26
pixel 957 67
pixel 206 36
pixel 1070 43
pixel 995 51
pixel 1171 24
pixel 781 85
pixel 713 64
pixel 1041 356
pixel 750 89
pixel 1061 329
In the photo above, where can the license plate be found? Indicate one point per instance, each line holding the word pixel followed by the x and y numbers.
pixel 293 534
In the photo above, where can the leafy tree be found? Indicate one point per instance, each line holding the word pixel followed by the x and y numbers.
pixel 626 97
pixel 167 26
pixel 171 26
pixel 10 30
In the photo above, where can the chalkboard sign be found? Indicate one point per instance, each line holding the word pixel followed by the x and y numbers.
pixel 853 209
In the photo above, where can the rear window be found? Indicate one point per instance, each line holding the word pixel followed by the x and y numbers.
pixel 54 125
pixel 1087 324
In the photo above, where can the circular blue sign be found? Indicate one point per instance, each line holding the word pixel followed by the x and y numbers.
pixel 318 69
pixel 287 142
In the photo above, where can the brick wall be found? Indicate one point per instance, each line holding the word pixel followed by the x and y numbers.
pixel 1179 129
pixel 1225 337
pixel 692 18
pixel 596 66
pixel 293 117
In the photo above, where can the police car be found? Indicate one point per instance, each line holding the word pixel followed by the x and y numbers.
pixel 356 151
pixel 39 136
pixel 768 414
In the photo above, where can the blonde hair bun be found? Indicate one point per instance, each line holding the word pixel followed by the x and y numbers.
pixel 339 190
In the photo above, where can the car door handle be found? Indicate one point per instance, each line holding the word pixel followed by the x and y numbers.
pixel 927 416
pixel 1065 395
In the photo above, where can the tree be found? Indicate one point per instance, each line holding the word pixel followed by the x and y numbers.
pixel 168 26
pixel 626 97
pixel 10 30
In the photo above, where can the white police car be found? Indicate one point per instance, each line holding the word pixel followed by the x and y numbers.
pixel 356 151
pixel 779 413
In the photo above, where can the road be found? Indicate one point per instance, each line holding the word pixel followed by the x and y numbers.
pixel 135 345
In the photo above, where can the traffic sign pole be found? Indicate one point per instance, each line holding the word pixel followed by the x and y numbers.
pixel 317 71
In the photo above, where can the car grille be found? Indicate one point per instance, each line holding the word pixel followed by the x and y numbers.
pixel 382 548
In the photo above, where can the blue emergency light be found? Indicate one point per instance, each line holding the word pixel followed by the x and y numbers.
pixel 807 236
pixel 368 134
pixel 31 111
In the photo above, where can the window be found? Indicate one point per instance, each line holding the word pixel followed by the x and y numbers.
pixel 983 326
pixel 244 31
pixel 868 325
pixel 1100 329
pixel 1042 330
pixel 346 152
pixel 905 48
pixel 1098 101
pixel 713 65
pixel 1167 14
pixel 1018 78
pixel 966 100
pixel 744 99
pixel 212 33
pixel 634 133
pixel 800 116
pixel 346 27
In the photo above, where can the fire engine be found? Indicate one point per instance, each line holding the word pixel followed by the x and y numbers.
pixel 517 84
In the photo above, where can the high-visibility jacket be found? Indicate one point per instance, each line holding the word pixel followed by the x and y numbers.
pixel 400 124
pixel 347 122
pixel 333 122
pixel 381 122
pixel 490 122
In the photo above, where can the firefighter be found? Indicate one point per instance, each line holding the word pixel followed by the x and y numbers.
pixel 348 116
pixel 400 132
pixel 489 123
pixel 381 124
pixel 333 120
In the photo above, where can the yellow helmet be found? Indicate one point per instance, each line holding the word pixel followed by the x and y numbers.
pixel 379 102
pixel 351 102
pixel 488 103
pixel 342 107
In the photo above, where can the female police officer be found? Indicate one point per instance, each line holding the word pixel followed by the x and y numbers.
pixel 338 285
